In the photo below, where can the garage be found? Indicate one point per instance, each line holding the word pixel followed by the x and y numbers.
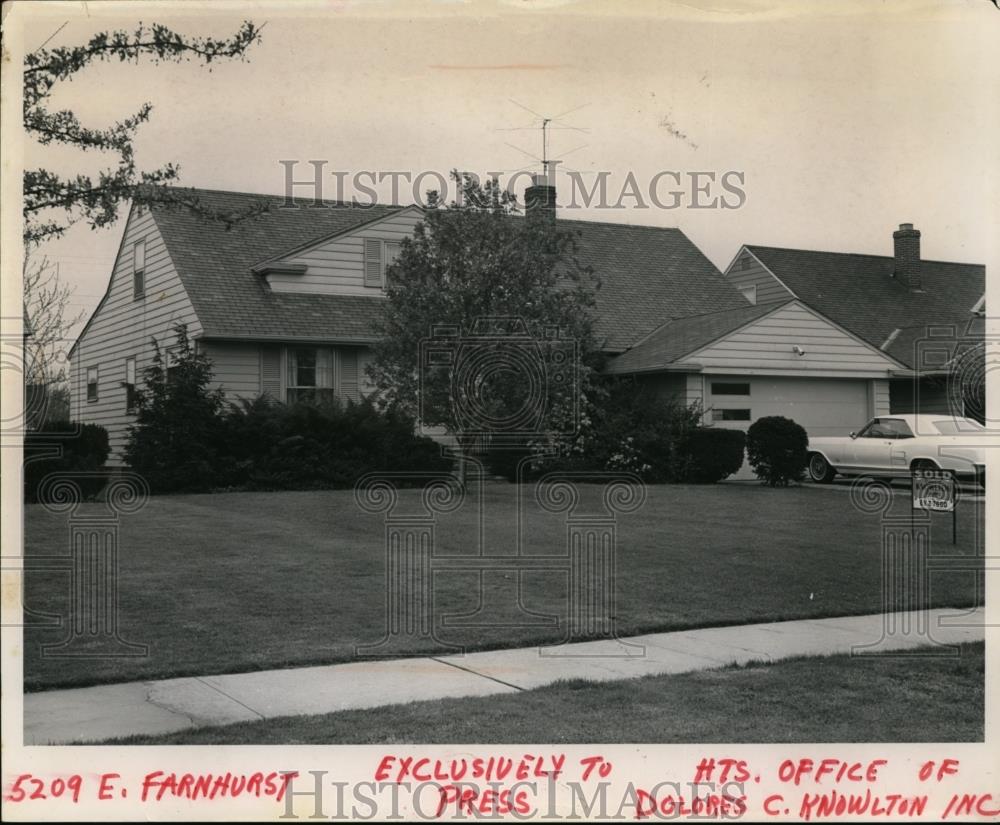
pixel 823 406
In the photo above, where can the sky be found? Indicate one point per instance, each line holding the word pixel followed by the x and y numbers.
pixel 845 118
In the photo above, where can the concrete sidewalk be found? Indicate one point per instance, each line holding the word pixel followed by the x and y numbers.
pixel 95 713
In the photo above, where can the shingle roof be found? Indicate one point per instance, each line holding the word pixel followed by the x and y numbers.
pixel 683 336
pixel 230 301
pixel 648 274
pixel 859 293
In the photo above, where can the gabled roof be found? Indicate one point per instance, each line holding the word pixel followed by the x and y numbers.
pixel 214 264
pixel 648 274
pixel 682 336
pixel 859 292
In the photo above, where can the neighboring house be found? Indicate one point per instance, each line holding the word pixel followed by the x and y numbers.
pixel 828 339
pixel 283 304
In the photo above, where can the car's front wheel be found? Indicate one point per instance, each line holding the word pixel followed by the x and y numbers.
pixel 820 470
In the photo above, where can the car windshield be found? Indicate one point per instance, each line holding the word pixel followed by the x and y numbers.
pixel 957 426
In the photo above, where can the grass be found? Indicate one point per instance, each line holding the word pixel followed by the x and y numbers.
pixel 247 581
pixel 825 699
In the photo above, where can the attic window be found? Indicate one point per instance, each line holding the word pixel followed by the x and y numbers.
pixel 379 255
pixel 138 270
pixel 91 383
pixel 745 263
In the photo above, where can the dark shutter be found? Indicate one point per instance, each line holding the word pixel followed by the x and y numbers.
pixel 349 374
pixel 270 372
pixel 373 262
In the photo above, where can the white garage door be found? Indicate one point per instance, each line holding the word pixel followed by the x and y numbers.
pixel 823 406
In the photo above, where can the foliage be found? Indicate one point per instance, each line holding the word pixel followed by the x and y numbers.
pixel 82 197
pixel 83 449
pixel 627 425
pixel 712 454
pixel 467 266
pixel 777 450
pixel 174 442
pixel 271 446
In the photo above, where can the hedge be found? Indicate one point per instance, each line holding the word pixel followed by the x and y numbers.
pixel 84 448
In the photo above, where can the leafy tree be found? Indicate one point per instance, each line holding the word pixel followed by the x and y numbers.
pixel 176 436
pixel 507 298
pixel 82 197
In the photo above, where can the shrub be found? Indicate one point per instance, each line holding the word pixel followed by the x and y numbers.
pixel 629 426
pixel 174 441
pixel 270 446
pixel 712 454
pixel 777 449
pixel 84 450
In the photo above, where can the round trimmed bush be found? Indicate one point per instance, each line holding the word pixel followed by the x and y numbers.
pixel 712 454
pixel 777 449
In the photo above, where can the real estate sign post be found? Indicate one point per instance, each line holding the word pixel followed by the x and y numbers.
pixel 936 490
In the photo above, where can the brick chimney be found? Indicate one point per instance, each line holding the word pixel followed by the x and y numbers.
pixel 906 242
pixel 540 198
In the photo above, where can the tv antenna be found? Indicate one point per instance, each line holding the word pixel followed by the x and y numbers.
pixel 547 124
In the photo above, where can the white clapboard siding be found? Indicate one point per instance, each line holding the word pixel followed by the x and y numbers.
pixel 337 266
pixel 122 327
pixel 769 288
pixel 236 368
pixel 767 344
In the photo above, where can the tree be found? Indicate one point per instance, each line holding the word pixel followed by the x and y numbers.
pixel 487 330
pixel 97 201
pixel 46 312
pixel 177 431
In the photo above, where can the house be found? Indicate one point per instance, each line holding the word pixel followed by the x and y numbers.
pixel 826 338
pixel 283 304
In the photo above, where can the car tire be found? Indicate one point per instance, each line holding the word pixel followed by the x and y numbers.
pixel 923 464
pixel 820 470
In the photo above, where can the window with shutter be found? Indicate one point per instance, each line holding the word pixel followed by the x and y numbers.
pixel 373 262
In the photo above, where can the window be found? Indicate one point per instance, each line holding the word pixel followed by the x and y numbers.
pixel 392 249
pixel 887 428
pixel 171 363
pixel 91 383
pixel 310 375
pixel 750 293
pixel 730 415
pixel 138 270
pixel 130 385
pixel 730 389
pixel 745 262
pixel 378 257
pixel 957 426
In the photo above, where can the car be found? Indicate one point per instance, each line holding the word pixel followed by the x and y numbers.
pixel 896 445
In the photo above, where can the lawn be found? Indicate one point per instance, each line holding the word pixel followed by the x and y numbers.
pixel 909 699
pixel 247 581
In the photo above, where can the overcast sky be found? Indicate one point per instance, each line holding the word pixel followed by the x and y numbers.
pixel 845 118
